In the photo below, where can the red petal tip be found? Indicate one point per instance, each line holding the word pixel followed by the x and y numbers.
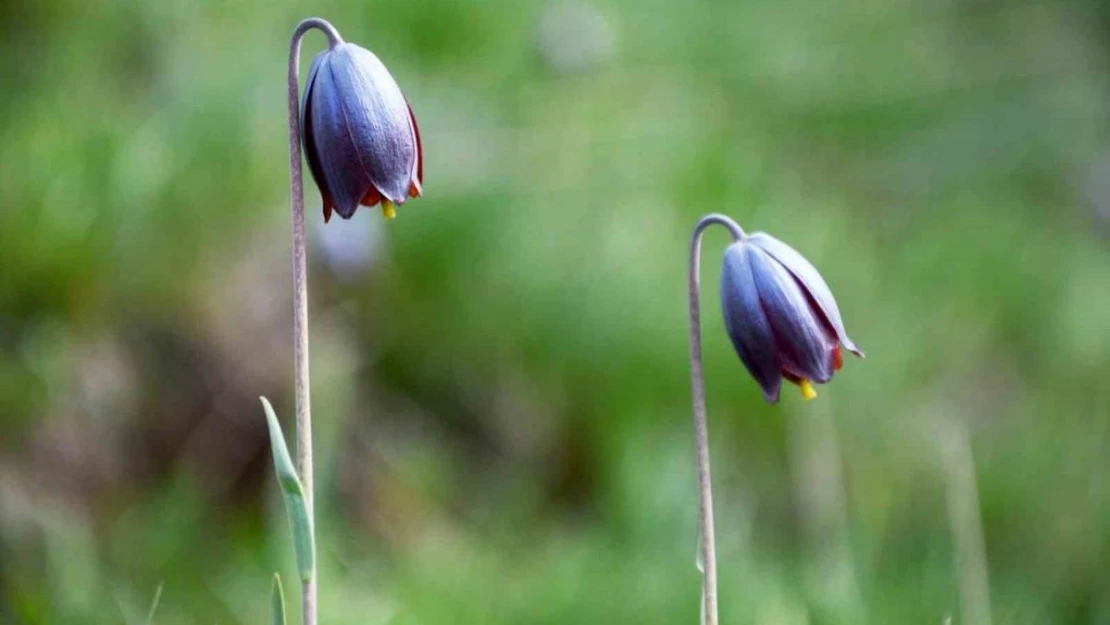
pixel 371 198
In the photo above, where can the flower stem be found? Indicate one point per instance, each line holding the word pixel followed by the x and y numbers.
pixel 707 548
pixel 300 290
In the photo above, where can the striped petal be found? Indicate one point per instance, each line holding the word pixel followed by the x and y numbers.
pixel 810 279
pixel 416 186
pixel 377 119
pixel 803 346
pixel 746 322
pixel 306 137
pixel 345 176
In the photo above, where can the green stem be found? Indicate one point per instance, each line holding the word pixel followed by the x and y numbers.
pixel 707 547
pixel 300 289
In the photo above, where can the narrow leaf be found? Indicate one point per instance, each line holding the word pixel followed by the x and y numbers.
pixel 154 605
pixel 277 602
pixel 296 508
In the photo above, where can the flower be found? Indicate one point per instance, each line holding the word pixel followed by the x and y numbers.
pixel 360 136
pixel 781 316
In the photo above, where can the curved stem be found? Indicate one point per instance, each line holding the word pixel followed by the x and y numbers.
pixel 300 289
pixel 707 548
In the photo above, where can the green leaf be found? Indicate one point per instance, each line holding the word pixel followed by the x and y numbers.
pixel 296 508
pixel 277 602
pixel 154 605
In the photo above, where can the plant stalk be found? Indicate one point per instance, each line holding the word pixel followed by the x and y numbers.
pixel 707 547
pixel 300 290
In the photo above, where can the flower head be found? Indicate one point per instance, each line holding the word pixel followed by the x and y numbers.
pixel 781 316
pixel 359 133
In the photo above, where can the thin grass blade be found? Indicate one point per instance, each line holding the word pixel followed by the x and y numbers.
pixel 154 604
pixel 277 602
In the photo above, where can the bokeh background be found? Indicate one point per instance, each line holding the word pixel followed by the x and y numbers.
pixel 500 375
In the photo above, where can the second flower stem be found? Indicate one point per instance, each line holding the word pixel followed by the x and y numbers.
pixel 707 546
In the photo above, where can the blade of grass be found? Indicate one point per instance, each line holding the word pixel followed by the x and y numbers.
pixel 277 602
pixel 296 507
pixel 154 604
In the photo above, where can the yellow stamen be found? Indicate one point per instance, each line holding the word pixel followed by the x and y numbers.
pixel 389 210
pixel 807 389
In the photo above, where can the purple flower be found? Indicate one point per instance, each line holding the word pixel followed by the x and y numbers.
pixel 360 136
pixel 781 316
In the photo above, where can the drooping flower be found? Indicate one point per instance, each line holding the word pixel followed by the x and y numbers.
pixel 781 316
pixel 359 133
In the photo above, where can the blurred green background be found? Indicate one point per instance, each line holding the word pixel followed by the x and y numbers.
pixel 500 375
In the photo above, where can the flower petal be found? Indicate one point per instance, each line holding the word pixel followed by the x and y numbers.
pixel 803 345
pixel 307 140
pixel 417 182
pixel 345 177
pixel 746 322
pixel 811 281
pixel 312 71
pixel 377 119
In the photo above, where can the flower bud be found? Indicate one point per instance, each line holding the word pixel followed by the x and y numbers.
pixel 360 136
pixel 781 316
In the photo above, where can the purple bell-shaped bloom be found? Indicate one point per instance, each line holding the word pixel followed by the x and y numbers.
pixel 781 316
pixel 360 136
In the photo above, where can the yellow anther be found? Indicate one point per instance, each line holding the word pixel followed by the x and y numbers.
pixel 389 210
pixel 807 389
